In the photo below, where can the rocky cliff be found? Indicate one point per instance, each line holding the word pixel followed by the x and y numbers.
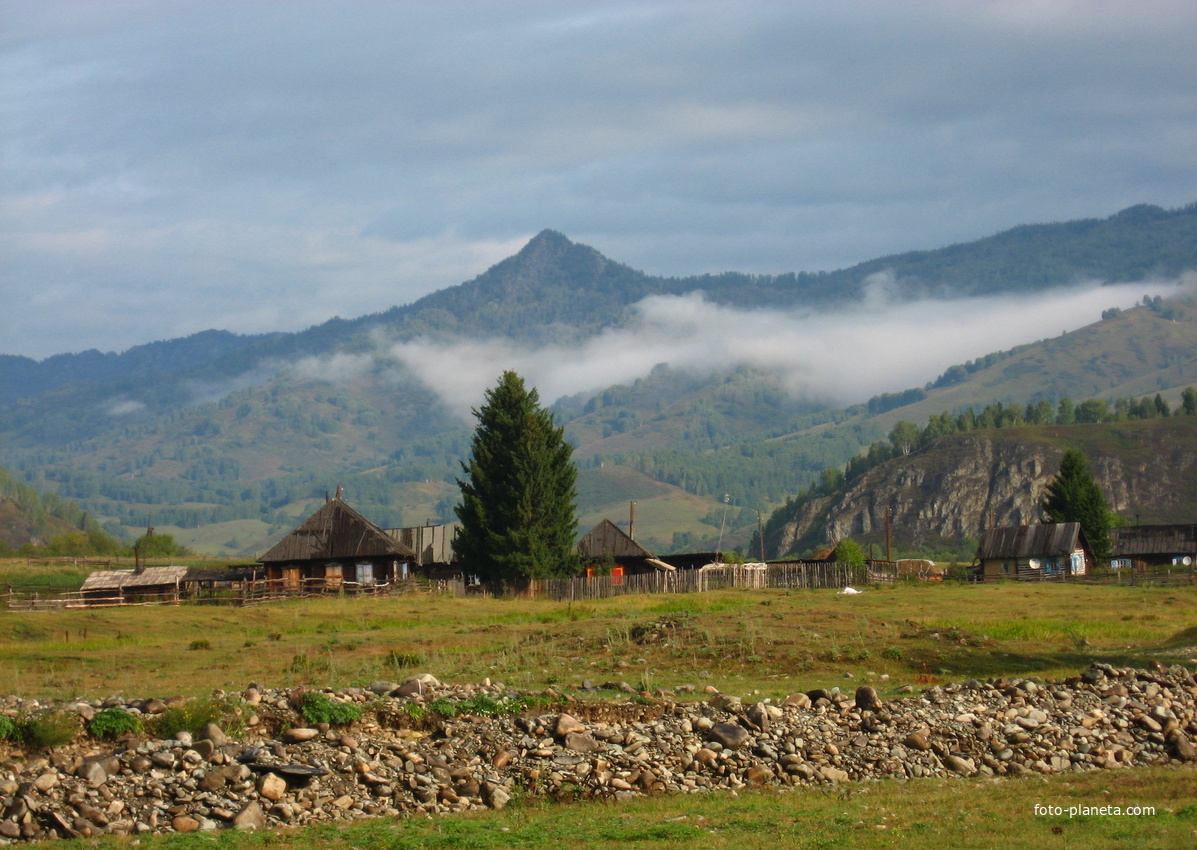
pixel 961 483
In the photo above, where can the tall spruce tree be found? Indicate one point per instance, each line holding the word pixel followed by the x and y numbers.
pixel 518 497
pixel 1073 496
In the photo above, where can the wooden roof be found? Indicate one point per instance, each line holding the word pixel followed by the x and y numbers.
pixel 1038 540
pixel 333 532
pixel 607 540
pixel 122 579
pixel 1154 540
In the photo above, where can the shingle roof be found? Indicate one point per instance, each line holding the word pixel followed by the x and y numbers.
pixel 336 531
pixel 1155 540
pixel 607 539
pixel 1031 541
pixel 119 579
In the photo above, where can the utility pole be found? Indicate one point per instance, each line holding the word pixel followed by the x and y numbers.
pixel 888 551
pixel 760 532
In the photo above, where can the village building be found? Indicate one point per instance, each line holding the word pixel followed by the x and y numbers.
pixel 125 587
pixel 1039 551
pixel 336 548
pixel 609 550
pixel 1141 546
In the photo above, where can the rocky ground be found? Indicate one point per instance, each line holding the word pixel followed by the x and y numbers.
pixel 401 758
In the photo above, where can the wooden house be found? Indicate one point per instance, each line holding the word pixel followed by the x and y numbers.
pixel 144 584
pixel 1040 551
pixel 607 549
pixel 1141 546
pixel 337 548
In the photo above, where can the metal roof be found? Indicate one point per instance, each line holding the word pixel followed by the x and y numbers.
pixel 336 531
pixel 1154 540
pixel 121 579
pixel 1031 541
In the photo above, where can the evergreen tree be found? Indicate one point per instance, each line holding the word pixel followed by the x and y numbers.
pixel 518 497
pixel 1073 496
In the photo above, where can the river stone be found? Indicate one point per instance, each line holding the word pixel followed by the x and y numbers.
pixel 730 735
pixel 298 735
pixel 185 823
pixel 918 741
pixel 499 798
pixel 215 734
pixel 250 818
pixel 798 700
pixel 272 787
pixel 867 699
pixel 566 724
pixel 580 742
pixel 1182 747
pixel 93 773
pixel 45 781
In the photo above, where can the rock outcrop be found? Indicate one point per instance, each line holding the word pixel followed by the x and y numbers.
pixel 961 483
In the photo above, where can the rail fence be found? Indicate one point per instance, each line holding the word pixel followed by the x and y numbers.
pixel 250 592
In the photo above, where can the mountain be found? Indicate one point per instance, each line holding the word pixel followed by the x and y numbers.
pixel 960 484
pixel 238 433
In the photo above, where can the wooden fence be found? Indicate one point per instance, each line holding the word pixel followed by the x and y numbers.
pixel 808 575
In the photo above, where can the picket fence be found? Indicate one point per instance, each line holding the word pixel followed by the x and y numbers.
pixel 807 575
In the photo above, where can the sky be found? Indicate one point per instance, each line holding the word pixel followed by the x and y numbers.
pixel 168 166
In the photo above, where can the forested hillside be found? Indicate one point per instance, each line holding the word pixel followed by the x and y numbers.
pixel 242 434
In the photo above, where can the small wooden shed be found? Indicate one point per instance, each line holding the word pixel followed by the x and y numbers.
pixel 145 584
pixel 336 548
pixel 1037 551
pixel 608 547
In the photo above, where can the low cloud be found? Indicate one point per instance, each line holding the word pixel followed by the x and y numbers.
pixel 874 346
pixel 123 408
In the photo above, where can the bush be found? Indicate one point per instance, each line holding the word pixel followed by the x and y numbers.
pixel 893 653
pixel 113 723
pixel 9 731
pixel 318 708
pixel 189 717
pixel 49 730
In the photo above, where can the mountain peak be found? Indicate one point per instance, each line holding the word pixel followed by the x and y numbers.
pixel 547 240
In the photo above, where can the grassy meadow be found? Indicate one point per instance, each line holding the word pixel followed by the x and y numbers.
pixel 752 643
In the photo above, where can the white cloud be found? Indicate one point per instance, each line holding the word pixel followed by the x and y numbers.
pixel 873 347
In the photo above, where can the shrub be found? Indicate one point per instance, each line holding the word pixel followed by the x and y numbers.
pixel 51 729
pixel 113 723
pixel 9 731
pixel 200 644
pixel 318 708
pixel 893 653
pixel 189 717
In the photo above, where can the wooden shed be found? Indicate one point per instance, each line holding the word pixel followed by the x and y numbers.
pixel 1143 546
pixel 145 584
pixel 336 548
pixel 608 547
pixel 1040 551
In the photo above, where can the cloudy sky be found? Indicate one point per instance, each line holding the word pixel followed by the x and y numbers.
pixel 168 166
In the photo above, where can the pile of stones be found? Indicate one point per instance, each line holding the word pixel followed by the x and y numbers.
pixel 402 758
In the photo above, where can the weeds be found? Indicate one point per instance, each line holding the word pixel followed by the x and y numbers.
pixel 317 707
pixel 113 723
pixel 49 730
pixel 190 717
